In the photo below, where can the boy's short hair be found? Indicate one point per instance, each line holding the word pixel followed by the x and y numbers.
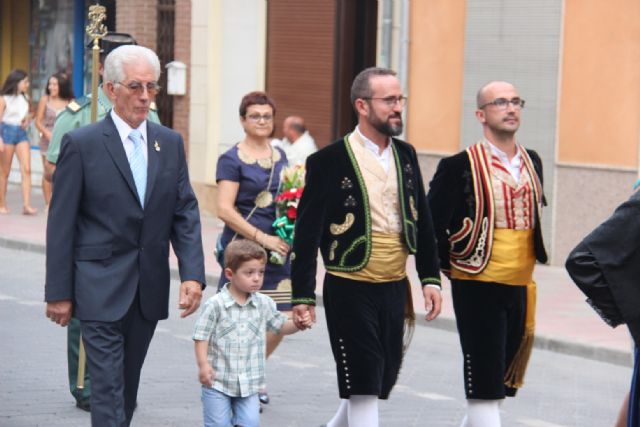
pixel 240 251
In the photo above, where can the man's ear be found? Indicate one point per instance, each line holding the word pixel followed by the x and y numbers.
pixel 228 273
pixel 110 90
pixel 362 107
pixel 480 116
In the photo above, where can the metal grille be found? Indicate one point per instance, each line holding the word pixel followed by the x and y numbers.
pixel 165 42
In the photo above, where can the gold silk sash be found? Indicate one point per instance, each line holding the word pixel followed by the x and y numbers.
pixel 511 263
pixel 387 263
pixel 512 259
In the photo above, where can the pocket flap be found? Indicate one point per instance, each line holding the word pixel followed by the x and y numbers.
pixel 87 253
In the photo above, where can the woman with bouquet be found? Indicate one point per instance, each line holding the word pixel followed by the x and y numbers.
pixel 248 177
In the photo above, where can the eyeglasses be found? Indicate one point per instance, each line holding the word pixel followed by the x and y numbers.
pixel 138 88
pixel 391 101
pixel 255 118
pixel 503 103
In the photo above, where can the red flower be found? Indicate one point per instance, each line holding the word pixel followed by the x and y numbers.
pixel 292 213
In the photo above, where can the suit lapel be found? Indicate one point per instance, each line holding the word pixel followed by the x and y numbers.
pixel 153 151
pixel 114 147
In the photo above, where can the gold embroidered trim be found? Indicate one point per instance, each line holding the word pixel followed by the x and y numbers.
pixel 264 163
pixel 337 229
pixel 332 250
pixel 263 199
pixel 412 206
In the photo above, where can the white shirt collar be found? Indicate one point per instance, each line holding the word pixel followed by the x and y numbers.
pixel 513 165
pixel 382 158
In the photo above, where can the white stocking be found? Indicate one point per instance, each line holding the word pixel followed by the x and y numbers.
pixel 340 418
pixel 358 411
pixel 363 411
pixel 482 413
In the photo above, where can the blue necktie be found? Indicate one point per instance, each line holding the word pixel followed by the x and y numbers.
pixel 138 164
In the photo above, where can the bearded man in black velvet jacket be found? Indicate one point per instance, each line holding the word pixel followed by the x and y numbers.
pixel 364 207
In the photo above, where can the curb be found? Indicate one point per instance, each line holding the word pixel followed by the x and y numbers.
pixel 600 354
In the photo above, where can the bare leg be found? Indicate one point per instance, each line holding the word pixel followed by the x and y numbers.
pixel 46 185
pixel 23 151
pixel 622 415
pixel 5 167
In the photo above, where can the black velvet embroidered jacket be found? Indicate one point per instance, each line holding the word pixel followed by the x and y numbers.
pixel 463 209
pixel 334 216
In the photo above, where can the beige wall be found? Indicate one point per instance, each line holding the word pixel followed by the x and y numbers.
pixel 14 36
pixel 436 65
pixel 599 113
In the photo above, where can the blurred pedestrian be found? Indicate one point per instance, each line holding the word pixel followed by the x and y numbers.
pixel 486 204
pixel 14 113
pixel 230 336
pixel 297 144
pixel 364 208
pixel 58 94
pixel 248 177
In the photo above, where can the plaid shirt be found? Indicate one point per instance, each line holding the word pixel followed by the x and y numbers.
pixel 237 342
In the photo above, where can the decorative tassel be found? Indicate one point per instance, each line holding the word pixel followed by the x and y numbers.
pixel 515 374
pixel 409 320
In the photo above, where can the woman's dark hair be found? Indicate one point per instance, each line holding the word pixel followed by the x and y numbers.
pixel 10 86
pixel 256 98
pixel 65 90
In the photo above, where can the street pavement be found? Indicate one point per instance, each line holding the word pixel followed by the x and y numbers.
pixel 580 382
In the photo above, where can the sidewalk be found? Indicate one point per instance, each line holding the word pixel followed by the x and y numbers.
pixel 565 323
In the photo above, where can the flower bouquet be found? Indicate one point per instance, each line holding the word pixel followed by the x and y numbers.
pixel 291 187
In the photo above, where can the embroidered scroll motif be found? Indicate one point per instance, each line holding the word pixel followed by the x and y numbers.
pixel 412 206
pixel 332 250
pixel 408 169
pixel 478 256
pixel 337 229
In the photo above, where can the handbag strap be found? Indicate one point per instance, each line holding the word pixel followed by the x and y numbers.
pixel 250 214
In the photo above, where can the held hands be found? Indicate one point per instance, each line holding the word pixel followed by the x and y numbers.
pixel 60 311
pixel 304 316
pixel 432 302
pixel 206 375
pixel 190 296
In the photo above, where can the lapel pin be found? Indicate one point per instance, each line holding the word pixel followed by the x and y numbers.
pixel 156 146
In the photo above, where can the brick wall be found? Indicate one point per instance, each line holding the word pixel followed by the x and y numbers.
pixel 182 49
pixel 138 18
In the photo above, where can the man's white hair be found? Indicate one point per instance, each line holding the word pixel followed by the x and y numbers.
pixel 125 55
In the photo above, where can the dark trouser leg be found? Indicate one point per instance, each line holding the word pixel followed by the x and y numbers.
pixel 490 320
pixel 73 345
pixel 115 354
pixel 138 334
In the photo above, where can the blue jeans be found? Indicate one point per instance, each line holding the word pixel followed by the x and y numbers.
pixel 220 410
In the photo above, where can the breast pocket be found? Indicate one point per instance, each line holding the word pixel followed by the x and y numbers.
pixel 226 329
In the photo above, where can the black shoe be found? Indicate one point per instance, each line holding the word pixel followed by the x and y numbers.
pixel 84 405
pixel 264 397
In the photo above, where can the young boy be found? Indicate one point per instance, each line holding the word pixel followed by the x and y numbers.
pixel 230 339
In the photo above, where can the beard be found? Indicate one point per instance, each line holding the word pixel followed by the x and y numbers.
pixel 386 128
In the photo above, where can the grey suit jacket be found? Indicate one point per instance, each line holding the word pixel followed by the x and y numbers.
pixel 102 246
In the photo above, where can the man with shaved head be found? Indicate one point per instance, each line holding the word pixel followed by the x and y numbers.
pixel 297 144
pixel 486 204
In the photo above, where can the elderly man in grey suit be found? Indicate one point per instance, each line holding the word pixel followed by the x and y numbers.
pixel 122 194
